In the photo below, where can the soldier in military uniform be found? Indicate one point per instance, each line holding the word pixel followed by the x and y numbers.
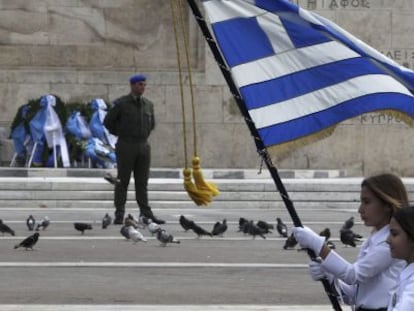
pixel 131 118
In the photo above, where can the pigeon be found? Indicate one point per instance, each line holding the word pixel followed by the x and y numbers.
pixel 219 228
pixel 30 222
pixel 111 179
pixel 29 242
pixel 281 228
pixel 290 242
pixel 266 227
pixel 135 235
pixel 326 233
pixel 143 221
pixel 254 230
pixel 131 221
pixel 242 224
pixel 153 227
pixel 124 231
pixel 200 231
pixel 5 228
pixel 349 223
pixel 186 223
pixel 43 224
pixel 348 237
pixel 106 221
pixel 81 226
pixel 246 226
pixel 164 237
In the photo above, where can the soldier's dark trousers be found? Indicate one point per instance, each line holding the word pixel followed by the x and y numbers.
pixel 132 156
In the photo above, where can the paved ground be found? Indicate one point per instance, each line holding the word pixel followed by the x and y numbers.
pixel 100 267
pixel 100 270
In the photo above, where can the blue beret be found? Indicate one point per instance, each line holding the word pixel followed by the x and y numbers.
pixel 137 78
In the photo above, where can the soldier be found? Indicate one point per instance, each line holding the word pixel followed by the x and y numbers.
pixel 131 118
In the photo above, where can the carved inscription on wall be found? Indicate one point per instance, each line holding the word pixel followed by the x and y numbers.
pixel 335 4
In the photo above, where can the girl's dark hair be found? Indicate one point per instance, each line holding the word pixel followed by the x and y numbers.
pixel 405 218
pixel 388 188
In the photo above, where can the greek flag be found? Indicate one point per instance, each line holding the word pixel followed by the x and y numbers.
pixel 299 74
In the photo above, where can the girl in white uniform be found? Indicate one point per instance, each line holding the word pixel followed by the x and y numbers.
pixel 401 241
pixel 367 283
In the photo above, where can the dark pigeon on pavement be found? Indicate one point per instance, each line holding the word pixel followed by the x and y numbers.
pixel 242 224
pixel 349 223
pixel 281 228
pixel 254 230
pixel 186 223
pixel 200 231
pixel 265 226
pixel 29 242
pixel 30 222
pixel 81 226
pixel 326 233
pixel 5 228
pixel 219 228
pixel 290 242
pixel 349 238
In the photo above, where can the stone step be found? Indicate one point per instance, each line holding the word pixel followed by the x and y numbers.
pixel 82 192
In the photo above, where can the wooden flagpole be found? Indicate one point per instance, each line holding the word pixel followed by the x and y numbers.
pixel 261 149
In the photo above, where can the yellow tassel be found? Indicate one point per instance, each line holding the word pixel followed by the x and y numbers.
pixel 200 197
pixel 199 179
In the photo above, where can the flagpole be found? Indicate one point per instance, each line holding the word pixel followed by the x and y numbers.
pixel 259 143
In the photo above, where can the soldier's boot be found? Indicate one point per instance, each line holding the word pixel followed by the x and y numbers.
pixel 119 216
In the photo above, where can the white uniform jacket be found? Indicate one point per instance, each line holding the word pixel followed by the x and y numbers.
pixel 403 298
pixel 371 279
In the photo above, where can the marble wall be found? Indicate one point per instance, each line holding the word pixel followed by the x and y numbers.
pixel 82 49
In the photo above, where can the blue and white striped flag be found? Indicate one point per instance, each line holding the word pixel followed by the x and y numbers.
pixel 299 74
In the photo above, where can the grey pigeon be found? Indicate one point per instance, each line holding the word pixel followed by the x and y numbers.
pixel 125 232
pixel 106 221
pixel 290 242
pixel 349 223
pixel 43 224
pixel 30 222
pixel 153 227
pixel 200 231
pixel 135 235
pixel 348 237
pixel 29 242
pixel 281 228
pixel 164 237
pixel 5 228
pixel 143 221
pixel 219 228
pixel 186 223
pixel 81 226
